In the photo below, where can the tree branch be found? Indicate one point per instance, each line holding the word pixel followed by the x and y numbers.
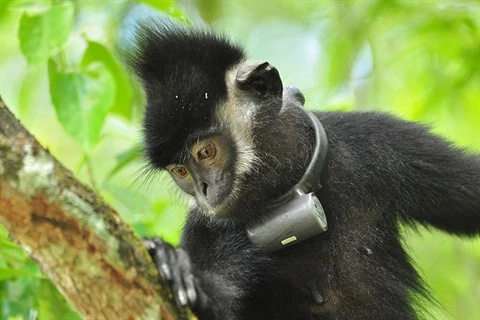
pixel 78 241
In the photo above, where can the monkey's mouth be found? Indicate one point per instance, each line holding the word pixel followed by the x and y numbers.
pixel 223 208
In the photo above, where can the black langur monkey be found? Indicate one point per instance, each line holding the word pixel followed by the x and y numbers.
pixel 236 140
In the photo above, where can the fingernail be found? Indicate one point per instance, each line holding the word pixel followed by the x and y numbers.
pixel 148 244
pixel 182 297
pixel 166 271
pixel 192 295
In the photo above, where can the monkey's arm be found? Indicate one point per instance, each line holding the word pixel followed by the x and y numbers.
pixel 212 270
pixel 225 265
pixel 416 174
pixel 441 187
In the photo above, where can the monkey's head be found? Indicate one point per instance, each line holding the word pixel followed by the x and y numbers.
pixel 224 128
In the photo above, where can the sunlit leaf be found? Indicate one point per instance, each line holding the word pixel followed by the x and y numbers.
pixel 168 223
pixel 126 158
pixel 4 6
pixel 42 33
pixel 123 103
pixel 167 6
pixel 52 305
pixel 6 244
pixel 8 273
pixel 82 100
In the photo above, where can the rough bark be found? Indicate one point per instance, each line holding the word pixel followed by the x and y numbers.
pixel 81 243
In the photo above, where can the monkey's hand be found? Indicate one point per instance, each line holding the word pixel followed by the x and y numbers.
pixel 174 267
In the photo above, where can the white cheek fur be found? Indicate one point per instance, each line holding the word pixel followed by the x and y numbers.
pixel 237 116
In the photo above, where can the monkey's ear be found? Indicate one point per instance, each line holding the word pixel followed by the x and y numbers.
pixel 260 77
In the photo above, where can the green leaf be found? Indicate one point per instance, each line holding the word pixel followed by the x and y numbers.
pixel 125 158
pixel 169 7
pixel 123 103
pixel 9 273
pixel 6 244
pixel 18 296
pixel 51 304
pixel 82 100
pixel 4 5
pixel 42 33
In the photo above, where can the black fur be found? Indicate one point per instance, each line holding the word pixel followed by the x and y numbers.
pixel 379 171
pixel 183 72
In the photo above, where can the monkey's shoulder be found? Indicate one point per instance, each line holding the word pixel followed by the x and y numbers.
pixel 376 133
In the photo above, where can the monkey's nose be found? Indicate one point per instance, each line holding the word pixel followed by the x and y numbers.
pixel 204 189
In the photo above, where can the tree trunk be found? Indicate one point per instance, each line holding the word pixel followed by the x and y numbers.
pixel 91 255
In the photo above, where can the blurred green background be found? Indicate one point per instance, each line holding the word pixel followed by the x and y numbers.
pixel 60 75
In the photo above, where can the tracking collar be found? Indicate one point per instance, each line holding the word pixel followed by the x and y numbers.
pixel 298 214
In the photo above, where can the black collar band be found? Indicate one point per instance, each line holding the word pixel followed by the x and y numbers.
pixel 298 214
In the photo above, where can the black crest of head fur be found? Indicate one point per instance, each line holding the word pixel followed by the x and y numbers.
pixel 183 72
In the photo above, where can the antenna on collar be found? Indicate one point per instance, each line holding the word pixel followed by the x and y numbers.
pixel 298 215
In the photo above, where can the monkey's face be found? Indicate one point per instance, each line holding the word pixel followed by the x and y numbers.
pixel 218 123
pixel 208 171
pixel 222 126
pixel 227 166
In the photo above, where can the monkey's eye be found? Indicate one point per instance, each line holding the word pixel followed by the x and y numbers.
pixel 206 152
pixel 179 171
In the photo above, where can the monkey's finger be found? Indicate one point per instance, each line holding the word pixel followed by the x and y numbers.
pixel 189 282
pixel 178 288
pixel 163 257
pixel 154 247
pixel 187 276
pixel 149 244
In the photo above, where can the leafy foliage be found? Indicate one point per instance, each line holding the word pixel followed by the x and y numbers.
pixel 59 71
pixel 82 99
pixel 43 32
